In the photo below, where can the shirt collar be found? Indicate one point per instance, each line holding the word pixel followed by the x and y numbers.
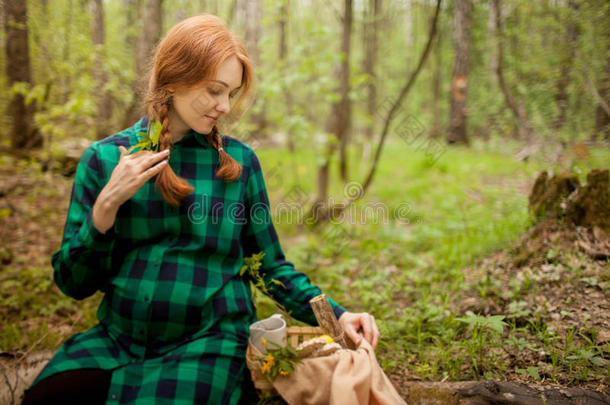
pixel 192 138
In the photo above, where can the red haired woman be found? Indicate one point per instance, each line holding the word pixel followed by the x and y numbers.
pixel 164 233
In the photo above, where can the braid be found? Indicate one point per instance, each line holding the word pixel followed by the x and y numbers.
pixel 172 188
pixel 228 168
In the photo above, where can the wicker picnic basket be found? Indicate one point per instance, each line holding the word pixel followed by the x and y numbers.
pixel 295 336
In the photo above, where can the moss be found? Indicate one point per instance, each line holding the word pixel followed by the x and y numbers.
pixel 432 394
pixel 548 194
pixel 591 205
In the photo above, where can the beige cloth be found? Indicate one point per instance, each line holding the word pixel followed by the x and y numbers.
pixel 350 377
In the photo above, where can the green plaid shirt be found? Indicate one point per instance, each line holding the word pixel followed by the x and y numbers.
pixel 170 275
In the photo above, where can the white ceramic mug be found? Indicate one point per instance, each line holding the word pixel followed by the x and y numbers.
pixel 272 329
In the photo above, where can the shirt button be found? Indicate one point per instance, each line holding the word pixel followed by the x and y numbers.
pixel 113 396
pixel 156 263
pixel 146 298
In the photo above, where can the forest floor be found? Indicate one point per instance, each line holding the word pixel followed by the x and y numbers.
pixel 440 277
pixel 556 320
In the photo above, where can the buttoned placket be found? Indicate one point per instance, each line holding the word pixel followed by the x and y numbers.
pixel 147 292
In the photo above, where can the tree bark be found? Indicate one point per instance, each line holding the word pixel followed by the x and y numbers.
pixel 132 12
pixel 459 78
pixel 253 15
pixel 565 67
pixel 23 133
pixel 328 321
pixel 283 61
pixel 253 30
pixel 517 108
pixel 339 119
pixel 369 63
pixel 102 121
pixel 602 117
pixel 345 106
pixel 149 37
pixel 437 80
pixel 497 393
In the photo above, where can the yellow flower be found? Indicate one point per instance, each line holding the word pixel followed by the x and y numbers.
pixel 264 341
pixel 327 338
pixel 270 359
pixel 266 368
pixel 283 372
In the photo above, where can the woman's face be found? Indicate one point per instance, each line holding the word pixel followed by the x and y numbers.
pixel 199 107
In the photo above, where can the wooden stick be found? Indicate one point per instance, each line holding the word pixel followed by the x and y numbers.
pixel 328 321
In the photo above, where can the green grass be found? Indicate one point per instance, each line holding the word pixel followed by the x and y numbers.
pixel 406 267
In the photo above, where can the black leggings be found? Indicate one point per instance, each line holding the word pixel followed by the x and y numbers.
pixel 85 386
pixel 90 386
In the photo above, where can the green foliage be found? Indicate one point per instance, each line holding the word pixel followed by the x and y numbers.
pixel 252 266
pixel 261 294
pixel 149 140
pixel 278 361
pixel 477 323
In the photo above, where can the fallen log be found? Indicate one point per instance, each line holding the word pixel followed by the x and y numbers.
pixel 498 393
pixel 18 371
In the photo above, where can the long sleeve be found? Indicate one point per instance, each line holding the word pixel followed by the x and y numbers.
pixel 81 264
pixel 260 235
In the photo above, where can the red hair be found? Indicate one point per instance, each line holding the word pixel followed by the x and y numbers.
pixel 188 55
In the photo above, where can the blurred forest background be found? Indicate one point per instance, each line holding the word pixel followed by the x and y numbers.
pixel 413 128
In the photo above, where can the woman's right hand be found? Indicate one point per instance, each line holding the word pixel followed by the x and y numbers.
pixel 126 179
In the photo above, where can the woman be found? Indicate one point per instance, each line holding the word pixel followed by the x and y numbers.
pixel 167 253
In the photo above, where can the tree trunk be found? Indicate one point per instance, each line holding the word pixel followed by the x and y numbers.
pixel 565 67
pixel 132 11
pixel 491 42
pixel 253 30
pixel 66 78
pixel 459 79
pixel 437 80
pixel 283 60
pixel 517 108
pixel 602 117
pixel 23 133
pixel 231 13
pixel 369 63
pixel 102 125
pixel 339 119
pixel 345 105
pixel 148 39
pixel 253 15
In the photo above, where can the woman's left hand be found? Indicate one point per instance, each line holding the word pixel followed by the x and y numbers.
pixel 352 323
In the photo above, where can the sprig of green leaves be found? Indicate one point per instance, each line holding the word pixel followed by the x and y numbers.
pixel 149 140
pixel 253 264
pixel 250 270
pixel 279 361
